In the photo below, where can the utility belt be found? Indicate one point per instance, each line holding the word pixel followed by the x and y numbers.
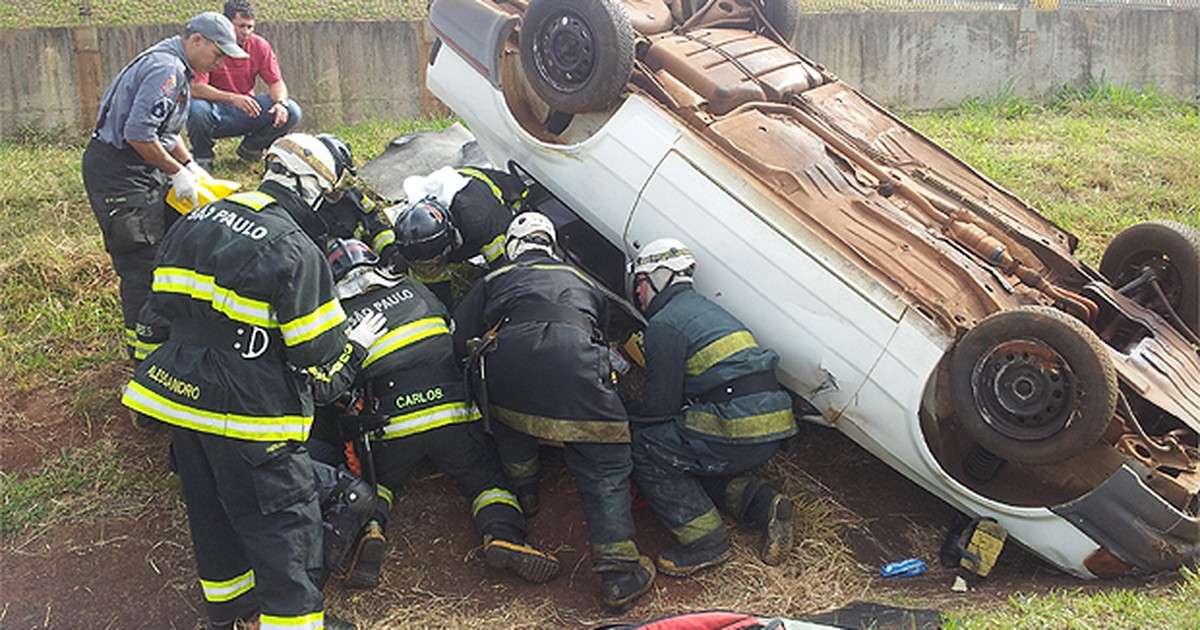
pixel 549 312
pixel 742 386
pixel 249 341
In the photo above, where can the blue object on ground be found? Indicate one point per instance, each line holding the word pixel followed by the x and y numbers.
pixel 903 568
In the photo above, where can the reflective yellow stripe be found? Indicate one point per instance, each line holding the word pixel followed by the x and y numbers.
pixel 256 428
pixel 226 590
pixel 405 335
pixel 507 268
pixel 493 249
pixel 429 418
pixel 141 349
pixel 718 350
pixel 598 431
pixel 205 288
pixel 252 199
pixel 327 317
pixel 481 176
pixel 746 427
pixel 494 496
pixel 383 239
pixel 698 527
pixel 385 494
pixel 311 621
pixel 441 275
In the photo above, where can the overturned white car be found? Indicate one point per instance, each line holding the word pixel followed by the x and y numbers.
pixel 928 314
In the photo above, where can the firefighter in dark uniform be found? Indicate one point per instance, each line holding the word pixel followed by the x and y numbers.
pixel 548 375
pixel 244 314
pixel 135 149
pixel 723 411
pixel 457 215
pixel 349 213
pixel 412 372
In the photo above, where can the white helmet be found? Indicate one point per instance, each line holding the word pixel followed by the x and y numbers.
pixel 304 164
pixel 661 263
pixel 529 230
pixel 666 253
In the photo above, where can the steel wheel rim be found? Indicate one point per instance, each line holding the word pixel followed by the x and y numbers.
pixel 565 52
pixel 1024 390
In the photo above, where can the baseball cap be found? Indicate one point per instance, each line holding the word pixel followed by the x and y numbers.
pixel 219 30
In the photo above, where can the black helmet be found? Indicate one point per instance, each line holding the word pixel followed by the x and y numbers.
pixel 346 254
pixel 343 159
pixel 424 230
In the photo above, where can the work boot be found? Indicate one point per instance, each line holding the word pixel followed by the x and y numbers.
pixel 623 582
pixel 527 496
pixel 334 623
pixel 683 560
pixel 777 530
pixel 527 562
pixel 205 163
pixel 249 155
pixel 368 558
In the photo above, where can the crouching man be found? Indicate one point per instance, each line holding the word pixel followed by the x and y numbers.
pixel 724 414
pixel 412 373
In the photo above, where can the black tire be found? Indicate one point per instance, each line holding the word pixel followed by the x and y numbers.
pixel 577 54
pixel 784 16
pixel 1033 385
pixel 1173 251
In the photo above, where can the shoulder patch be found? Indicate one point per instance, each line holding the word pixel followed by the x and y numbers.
pixel 161 108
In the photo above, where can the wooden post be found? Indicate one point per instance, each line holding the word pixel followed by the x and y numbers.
pixel 87 71
pixel 430 105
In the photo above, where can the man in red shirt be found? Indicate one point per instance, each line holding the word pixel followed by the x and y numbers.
pixel 224 104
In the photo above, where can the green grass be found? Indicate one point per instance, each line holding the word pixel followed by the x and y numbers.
pixel 38 13
pixel 1093 160
pixel 1075 609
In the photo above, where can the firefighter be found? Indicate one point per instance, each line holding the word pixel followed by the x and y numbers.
pixel 242 305
pixel 456 215
pixel 349 212
pixel 536 324
pixel 413 374
pixel 724 413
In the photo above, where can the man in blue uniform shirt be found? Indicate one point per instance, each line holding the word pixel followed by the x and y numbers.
pixel 135 149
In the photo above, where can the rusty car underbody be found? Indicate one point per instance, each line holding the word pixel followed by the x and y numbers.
pixel 1099 431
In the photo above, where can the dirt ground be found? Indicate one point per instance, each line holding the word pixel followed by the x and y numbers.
pixel 133 568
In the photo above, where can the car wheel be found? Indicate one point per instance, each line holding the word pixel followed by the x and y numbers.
pixel 784 16
pixel 1032 385
pixel 577 54
pixel 1172 251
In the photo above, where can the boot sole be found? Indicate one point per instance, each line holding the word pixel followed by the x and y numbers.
pixel 368 560
pixel 525 561
pixel 666 567
pixel 777 537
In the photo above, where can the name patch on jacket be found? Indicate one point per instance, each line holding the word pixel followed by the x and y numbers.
pixel 174 385
pixel 231 220
pixel 433 394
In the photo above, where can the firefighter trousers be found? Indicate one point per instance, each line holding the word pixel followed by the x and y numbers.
pixel 255 523
pixel 686 479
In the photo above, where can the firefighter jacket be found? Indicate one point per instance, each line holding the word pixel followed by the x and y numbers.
pixel 242 302
pixel 702 360
pixel 481 212
pixel 549 374
pixel 356 216
pixel 411 369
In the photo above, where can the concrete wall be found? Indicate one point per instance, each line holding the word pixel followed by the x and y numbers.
pixel 349 72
